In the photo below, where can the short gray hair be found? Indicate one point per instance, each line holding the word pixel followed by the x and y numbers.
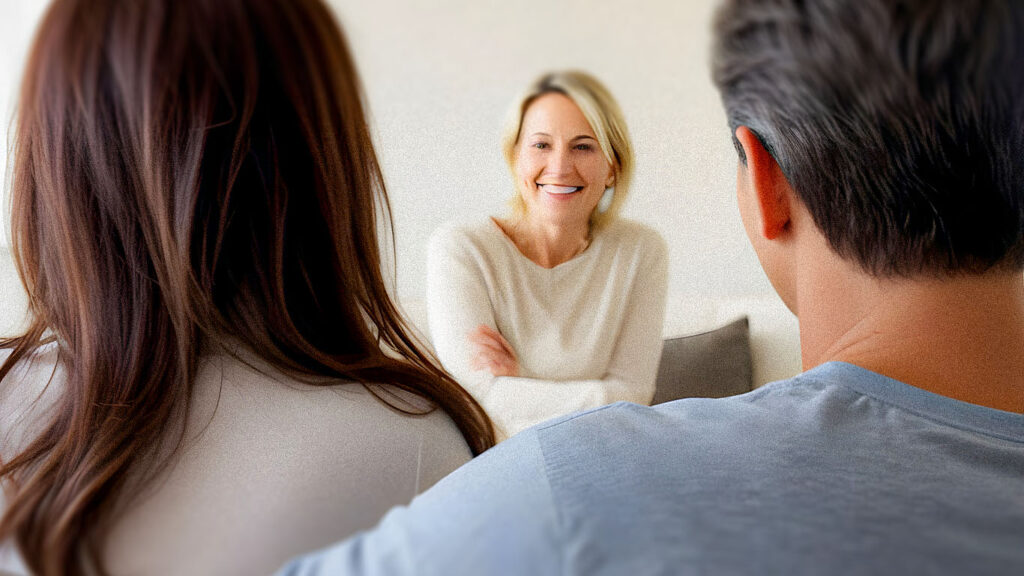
pixel 899 123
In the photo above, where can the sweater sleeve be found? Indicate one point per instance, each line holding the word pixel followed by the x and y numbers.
pixel 458 302
pixel 518 403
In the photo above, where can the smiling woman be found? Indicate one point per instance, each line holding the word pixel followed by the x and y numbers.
pixel 558 307
pixel 561 175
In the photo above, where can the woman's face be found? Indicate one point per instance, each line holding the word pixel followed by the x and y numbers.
pixel 561 170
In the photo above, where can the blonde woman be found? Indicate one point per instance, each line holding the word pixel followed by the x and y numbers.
pixel 559 306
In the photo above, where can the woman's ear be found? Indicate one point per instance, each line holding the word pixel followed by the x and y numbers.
pixel 771 189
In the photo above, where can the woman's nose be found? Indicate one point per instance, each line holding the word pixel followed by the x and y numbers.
pixel 561 161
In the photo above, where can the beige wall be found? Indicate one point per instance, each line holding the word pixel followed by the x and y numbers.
pixel 18 20
pixel 440 75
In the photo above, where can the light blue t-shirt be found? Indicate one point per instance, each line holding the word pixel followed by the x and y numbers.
pixel 837 471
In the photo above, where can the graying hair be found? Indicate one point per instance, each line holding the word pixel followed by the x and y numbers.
pixel 899 123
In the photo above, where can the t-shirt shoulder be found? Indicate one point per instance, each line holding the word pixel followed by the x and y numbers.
pixel 776 405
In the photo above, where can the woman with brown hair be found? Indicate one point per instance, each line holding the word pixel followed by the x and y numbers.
pixel 214 377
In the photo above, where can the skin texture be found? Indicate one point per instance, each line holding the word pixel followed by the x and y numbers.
pixel 557 148
pixel 958 336
pixel 493 352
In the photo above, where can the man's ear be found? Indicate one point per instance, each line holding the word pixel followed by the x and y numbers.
pixel 767 182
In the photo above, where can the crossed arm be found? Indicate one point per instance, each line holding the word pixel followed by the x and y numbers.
pixel 464 330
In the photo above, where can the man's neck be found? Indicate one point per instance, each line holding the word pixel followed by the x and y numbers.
pixel 960 337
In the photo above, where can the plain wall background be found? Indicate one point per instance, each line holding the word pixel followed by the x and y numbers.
pixel 441 75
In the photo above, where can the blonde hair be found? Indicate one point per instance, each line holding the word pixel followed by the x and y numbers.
pixel 605 117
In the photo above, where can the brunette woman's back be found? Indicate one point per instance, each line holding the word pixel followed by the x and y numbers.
pixel 270 467
pixel 196 205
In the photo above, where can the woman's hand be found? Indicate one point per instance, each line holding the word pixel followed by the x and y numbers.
pixel 492 352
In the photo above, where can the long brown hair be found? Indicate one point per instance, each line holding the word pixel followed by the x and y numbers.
pixel 188 172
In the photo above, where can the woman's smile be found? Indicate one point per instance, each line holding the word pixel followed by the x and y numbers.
pixel 562 171
pixel 559 189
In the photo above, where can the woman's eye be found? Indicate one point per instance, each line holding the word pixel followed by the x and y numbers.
pixel 540 145
pixel 585 147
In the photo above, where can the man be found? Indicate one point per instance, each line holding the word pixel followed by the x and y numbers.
pixel 881 182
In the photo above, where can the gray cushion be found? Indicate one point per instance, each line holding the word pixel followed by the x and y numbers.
pixel 708 365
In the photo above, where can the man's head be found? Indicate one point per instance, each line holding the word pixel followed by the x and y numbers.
pixel 899 124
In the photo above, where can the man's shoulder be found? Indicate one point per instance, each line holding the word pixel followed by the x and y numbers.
pixel 806 408
pixel 690 424
pixel 706 481
pixel 690 411
pixel 831 416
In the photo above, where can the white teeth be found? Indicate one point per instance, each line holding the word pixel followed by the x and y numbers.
pixel 553 189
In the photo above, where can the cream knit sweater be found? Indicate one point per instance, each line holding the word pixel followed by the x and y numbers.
pixel 587 332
